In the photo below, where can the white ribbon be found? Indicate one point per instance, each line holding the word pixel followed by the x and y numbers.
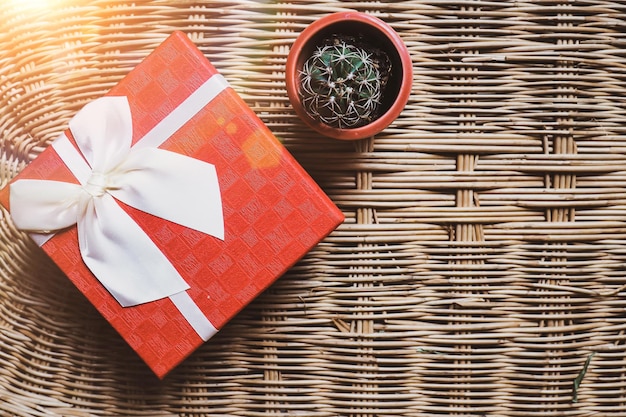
pixel 165 184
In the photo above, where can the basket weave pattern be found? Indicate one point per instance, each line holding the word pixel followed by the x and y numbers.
pixel 481 270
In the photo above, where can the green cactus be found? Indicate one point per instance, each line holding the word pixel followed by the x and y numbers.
pixel 341 85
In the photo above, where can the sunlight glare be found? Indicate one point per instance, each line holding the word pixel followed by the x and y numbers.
pixel 33 4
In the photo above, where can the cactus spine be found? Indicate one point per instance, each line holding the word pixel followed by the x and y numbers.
pixel 341 85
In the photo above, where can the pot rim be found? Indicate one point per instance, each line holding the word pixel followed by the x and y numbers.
pixel 384 120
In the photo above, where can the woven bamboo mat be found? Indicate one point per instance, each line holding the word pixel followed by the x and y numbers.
pixel 480 271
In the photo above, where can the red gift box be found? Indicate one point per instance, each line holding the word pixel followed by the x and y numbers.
pixel 272 212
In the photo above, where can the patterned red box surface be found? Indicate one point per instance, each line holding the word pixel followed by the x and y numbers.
pixel 273 211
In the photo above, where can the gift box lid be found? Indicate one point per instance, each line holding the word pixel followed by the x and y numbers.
pixel 266 211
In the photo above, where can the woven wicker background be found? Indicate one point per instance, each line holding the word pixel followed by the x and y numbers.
pixel 482 262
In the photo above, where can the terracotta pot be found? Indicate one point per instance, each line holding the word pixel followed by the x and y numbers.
pixel 381 35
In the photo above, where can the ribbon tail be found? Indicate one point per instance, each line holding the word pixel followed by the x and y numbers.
pixel 171 186
pixel 125 260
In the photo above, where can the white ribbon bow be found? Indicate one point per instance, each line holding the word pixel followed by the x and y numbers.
pixel 165 184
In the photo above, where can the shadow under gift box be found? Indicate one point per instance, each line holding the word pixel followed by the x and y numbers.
pixel 273 212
